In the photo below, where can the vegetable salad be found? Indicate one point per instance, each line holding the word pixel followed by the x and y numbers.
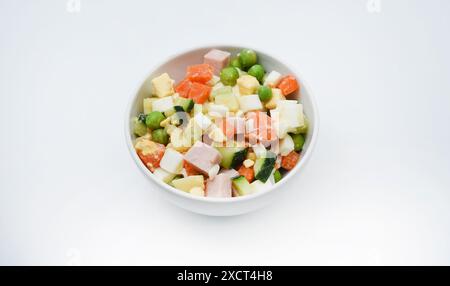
pixel 230 128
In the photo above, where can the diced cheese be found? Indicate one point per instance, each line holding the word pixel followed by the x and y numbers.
pixel 213 81
pixel 165 122
pixel 239 113
pixel 172 161
pixel 287 116
pixel 291 113
pixel 248 163
pixel 287 102
pixel 178 141
pixel 197 191
pixel 250 102
pixel 162 104
pixel 163 175
pixel 147 104
pixel 216 134
pixel 277 95
pixel 175 96
pixel 186 184
pixel 236 91
pixel 170 128
pixel 192 132
pixel 286 145
pixel 215 110
pixel 227 99
pixel 145 145
pixel 202 121
pixel 221 90
pixel 258 186
pixel 250 125
pixel 198 108
pixel 217 86
pixel 162 85
pixel 272 79
pixel 259 150
pixel 247 84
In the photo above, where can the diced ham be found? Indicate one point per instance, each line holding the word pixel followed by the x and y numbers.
pixel 219 187
pixel 203 157
pixel 218 59
pixel 232 173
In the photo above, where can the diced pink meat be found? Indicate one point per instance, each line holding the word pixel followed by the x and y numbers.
pixel 219 187
pixel 218 59
pixel 203 157
pixel 232 173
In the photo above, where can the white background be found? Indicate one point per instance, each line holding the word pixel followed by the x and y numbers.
pixel 376 190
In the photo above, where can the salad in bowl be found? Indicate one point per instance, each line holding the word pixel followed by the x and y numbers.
pixel 226 126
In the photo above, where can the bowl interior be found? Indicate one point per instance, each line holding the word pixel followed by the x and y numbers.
pixel 176 68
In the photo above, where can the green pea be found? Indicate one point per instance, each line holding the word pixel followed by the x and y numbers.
pixel 236 63
pixel 160 136
pixel 153 119
pixel 248 58
pixel 257 71
pixel 140 129
pixel 229 75
pixel 264 93
pixel 277 176
pixel 299 140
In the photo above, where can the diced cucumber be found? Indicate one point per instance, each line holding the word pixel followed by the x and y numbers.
pixel 304 128
pixel 173 110
pixel 177 115
pixel 175 178
pixel 277 176
pixel 264 166
pixel 299 141
pixel 242 186
pixel 139 128
pixel 164 176
pixel 232 156
pixel 186 103
pixel 142 117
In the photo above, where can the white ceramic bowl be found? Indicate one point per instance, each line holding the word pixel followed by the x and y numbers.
pixel 176 68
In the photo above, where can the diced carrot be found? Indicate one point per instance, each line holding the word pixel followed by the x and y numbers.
pixel 190 169
pixel 288 84
pixel 183 87
pixel 288 162
pixel 200 73
pixel 152 160
pixel 248 173
pixel 259 128
pixel 199 92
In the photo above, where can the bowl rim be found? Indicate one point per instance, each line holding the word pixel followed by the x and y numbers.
pixel 303 160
